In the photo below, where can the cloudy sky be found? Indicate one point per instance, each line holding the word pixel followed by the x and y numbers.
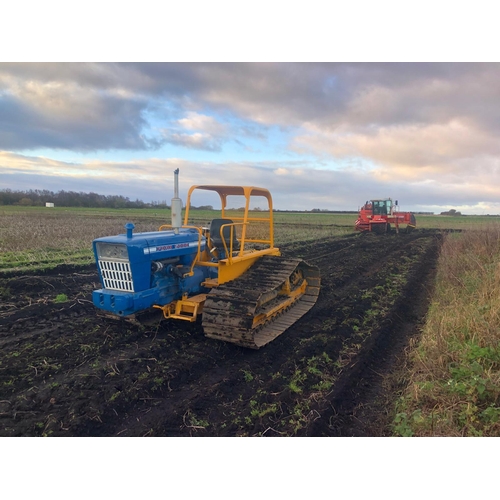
pixel 317 135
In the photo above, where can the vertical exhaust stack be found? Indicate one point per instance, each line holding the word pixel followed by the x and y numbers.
pixel 176 205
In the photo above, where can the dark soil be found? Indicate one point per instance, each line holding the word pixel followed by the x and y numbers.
pixel 67 371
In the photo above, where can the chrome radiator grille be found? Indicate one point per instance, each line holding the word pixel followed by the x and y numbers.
pixel 116 275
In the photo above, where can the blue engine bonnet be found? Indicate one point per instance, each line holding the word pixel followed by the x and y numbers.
pixel 151 284
pixel 144 248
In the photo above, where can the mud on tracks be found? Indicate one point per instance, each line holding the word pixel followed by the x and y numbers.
pixel 66 371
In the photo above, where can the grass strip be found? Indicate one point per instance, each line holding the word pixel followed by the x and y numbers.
pixel 454 387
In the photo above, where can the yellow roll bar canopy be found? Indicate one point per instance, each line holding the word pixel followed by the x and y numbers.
pixel 225 191
pixel 248 192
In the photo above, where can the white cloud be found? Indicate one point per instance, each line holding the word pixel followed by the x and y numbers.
pixel 200 122
pixel 281 171
pixel 197 131
pixel 193 141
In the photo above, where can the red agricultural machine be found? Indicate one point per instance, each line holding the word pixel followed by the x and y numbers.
pixel 380 216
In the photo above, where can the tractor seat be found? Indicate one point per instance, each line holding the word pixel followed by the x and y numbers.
pixel 215 234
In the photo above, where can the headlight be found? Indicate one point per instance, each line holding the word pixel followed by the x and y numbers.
pixel 112 251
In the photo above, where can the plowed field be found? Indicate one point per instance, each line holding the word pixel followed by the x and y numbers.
pixel 66 371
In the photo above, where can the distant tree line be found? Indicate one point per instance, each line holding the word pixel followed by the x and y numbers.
pixel 39 197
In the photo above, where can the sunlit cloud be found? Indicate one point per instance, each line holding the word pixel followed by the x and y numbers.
pixel 197 131
pixel 197 121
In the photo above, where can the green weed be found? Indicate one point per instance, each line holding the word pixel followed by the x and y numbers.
pixel 194 421
pixel 247 375
pixel 114 396
pixel 295 383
